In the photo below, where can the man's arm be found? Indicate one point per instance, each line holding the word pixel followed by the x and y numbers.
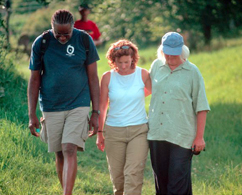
pixel 97 35
pixel 33 93
pixel 97 42
pixel 95 94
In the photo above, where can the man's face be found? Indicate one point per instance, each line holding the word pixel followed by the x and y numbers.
pixel 84 12
pixel 62 32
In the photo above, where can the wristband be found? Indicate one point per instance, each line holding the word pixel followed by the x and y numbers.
pixel 96 111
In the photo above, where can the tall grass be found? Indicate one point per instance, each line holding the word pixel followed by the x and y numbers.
pixel 27 168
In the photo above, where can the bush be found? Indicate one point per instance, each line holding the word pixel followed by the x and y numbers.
pixel 13 99
pixel 38 22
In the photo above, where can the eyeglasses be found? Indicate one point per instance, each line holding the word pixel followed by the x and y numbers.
pixel 57 34
pixel 122 47
pixel 64 35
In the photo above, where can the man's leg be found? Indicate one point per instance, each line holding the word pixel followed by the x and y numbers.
pixel 70 167
pixel 54 123
pixel 59 163
pixel 72 139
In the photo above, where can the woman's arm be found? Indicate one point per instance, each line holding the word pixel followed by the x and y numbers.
pixel 103 109
pixel 147 81
pixel 199 143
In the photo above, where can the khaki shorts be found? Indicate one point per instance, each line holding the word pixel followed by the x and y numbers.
pixel 69 126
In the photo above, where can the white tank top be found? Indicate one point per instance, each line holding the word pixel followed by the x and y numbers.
pixel 126 99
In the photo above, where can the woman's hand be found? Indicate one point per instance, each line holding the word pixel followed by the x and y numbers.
pixel 100 141
pixel 198 145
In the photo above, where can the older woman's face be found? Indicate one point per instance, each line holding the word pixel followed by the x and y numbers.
pixel 124 65
pixel 173 60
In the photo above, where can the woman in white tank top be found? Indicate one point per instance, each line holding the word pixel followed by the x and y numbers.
pixel 123 131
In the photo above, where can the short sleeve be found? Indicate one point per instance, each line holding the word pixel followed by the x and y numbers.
pixel 199 97
pixel 35 57
pixel 92 54
pixel 153 67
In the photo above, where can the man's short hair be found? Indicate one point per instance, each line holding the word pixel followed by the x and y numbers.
pixel 84 6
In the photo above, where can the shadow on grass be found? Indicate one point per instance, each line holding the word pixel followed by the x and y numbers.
pixel 219 167
pixel 223 133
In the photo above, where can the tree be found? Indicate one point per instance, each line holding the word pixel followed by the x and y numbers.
pixel 8 13
pixel 5 12
pixel 137 20
pixel 5 8
pixel 206 16
pixel 146 21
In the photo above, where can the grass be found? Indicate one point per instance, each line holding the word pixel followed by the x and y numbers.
pixel 27 168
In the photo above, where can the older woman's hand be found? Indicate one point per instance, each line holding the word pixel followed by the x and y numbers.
pixel 198 145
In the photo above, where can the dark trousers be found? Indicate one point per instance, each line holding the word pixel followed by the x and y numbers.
pixel 172 168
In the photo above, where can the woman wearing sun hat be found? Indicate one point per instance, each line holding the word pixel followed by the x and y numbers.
pixel 177 116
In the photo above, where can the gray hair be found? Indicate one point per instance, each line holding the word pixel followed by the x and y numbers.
pixel 184 55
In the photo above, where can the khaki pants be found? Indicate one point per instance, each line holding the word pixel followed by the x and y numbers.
pixel 126 150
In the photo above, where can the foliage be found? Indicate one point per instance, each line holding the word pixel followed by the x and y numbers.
pixel 221 17
pixel 138 21
pixel 133 20
pixel 143 22
pixel 34 23
pixel 33 28
pixel 8 81
pixel 28 6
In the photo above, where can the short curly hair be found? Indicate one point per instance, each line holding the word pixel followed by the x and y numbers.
pixel 112 54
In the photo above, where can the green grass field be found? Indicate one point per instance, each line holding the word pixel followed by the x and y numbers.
pixel 27 168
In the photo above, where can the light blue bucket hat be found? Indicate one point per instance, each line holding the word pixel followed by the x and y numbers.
pixel 172 43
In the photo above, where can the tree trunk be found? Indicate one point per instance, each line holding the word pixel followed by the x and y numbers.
pixel 207 34
pixel 8 10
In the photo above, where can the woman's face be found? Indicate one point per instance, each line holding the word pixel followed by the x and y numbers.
pixel 62 32
pixel 124 64
pixel 173 60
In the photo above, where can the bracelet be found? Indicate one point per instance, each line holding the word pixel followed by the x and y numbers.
pixel 100 131
pixel 96 111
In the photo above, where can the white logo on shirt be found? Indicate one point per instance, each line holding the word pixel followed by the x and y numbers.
pixel 70 50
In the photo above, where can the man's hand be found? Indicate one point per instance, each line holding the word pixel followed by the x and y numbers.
pixel 93 123
pixel 33 125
